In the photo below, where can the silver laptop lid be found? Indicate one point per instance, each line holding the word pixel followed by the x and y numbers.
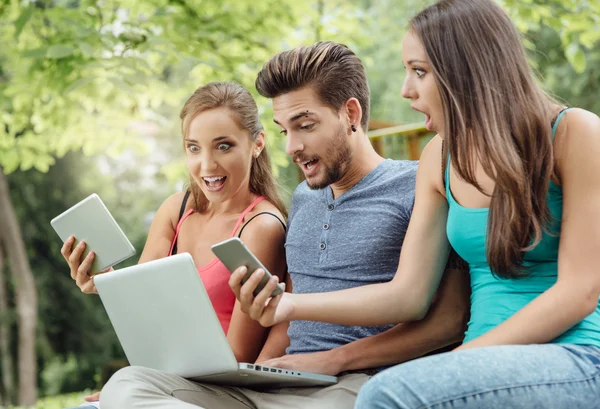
pixel 164 319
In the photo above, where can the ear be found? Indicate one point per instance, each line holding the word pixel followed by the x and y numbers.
pixel 259 144
pixel 353 112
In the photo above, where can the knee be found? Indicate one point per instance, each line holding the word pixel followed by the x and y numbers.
pixel 382 392
pixel 122 387
pixel 367 396
pixel 371 396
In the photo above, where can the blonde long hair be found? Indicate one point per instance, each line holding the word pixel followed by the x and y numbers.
pixel 240 102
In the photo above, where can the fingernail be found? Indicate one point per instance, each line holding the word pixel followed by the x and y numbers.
pixel 259 273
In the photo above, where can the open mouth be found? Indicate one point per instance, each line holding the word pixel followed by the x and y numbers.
pixel 428 123
pixel 214 184
pixel 309 164
pixel 309 167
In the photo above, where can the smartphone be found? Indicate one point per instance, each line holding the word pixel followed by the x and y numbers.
pixel 90 221
pixel 233 254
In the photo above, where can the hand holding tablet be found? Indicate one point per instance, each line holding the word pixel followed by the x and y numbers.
pixel 93 241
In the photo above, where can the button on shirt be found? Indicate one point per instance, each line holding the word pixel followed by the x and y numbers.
pixel 345 242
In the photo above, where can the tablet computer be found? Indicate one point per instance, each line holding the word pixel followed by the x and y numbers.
pixel 90 221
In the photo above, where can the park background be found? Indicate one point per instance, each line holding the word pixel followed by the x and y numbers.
pixel 90 93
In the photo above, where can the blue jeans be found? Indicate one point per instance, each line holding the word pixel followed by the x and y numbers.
pixel 548 376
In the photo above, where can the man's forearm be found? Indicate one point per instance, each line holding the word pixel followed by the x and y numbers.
pixel 399 344
pixel 276 343
pixel 442 326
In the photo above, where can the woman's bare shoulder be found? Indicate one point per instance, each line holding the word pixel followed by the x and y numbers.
pixel 431 165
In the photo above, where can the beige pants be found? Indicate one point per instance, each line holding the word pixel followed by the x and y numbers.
pixel 136 387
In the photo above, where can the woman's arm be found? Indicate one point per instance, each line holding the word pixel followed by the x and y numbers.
pixel 278 339
pixel 406 298
pixel 575 294
pixel 276 343
pixel 162 229
pixel 265 238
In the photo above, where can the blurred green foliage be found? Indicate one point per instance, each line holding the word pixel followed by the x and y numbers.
pixel 69 400
pixel 90 93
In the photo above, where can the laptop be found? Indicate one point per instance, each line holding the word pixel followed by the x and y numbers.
pixel 164 320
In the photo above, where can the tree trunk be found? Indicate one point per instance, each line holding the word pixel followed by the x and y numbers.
pixel 6 358
pixel 25 296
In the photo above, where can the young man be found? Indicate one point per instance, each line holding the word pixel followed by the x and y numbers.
pixel 346 227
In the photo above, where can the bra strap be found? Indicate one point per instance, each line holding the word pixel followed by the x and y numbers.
pixel 557 120
pixel 174 243
pixel 181 210
pixel 255 216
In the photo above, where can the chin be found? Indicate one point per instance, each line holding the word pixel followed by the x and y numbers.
pixel 213 197
pixel 316 183
pixel 320 182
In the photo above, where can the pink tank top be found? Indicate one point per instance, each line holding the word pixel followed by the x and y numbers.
pixel 215 276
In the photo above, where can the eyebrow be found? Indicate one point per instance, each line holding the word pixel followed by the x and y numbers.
pixel 420 61
pixel 297 116
pixel 217 139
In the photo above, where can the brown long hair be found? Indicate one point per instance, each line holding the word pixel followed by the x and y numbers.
pixel 495 114
pixel 242 105
pixel 331 69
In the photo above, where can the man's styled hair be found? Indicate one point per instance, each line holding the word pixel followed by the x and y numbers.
pixel 334 72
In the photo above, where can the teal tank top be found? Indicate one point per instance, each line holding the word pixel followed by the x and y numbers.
pixel 493 299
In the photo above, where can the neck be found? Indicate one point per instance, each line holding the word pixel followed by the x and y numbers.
pixel 235 205
pixel 364 160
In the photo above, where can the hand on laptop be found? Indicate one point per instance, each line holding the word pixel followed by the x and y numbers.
pixel 262 308
pixel 325 362
pixel 80 269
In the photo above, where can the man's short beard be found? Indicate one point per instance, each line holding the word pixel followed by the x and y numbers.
pixel 340 155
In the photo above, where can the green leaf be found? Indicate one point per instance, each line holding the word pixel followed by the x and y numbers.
pixel 22 20
pixel 86 49
pixel 161 12
pixel 576 57
pixel 59 51
pixel 79 83
pixel 35 53
pixel 122 85
pixel 44 162
pixel 27 159
pixel 589 38
pixel 579 23
pixel 9 161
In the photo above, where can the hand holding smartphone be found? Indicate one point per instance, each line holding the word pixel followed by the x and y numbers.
pixel 233 254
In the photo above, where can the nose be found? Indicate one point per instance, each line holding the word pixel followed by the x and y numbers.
pixel 207 162
pixel 408 90
pixel 293 144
